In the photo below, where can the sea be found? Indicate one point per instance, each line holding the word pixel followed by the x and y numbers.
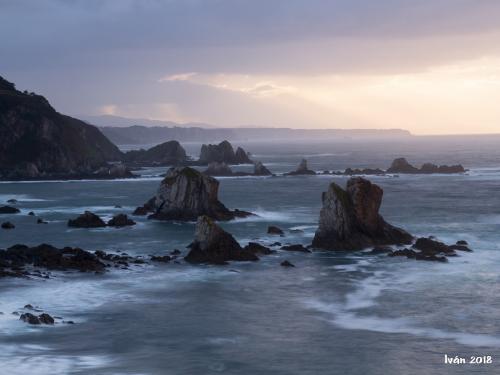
pixel 333 313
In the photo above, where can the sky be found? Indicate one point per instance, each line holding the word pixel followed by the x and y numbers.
pixel 428 66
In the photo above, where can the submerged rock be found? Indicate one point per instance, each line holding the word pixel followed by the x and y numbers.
pixel 275 230
pixel 212 244
pixel 8 225
pixel 257 248
pixel 302 169
pixel 286 263
pixel 87 220
pixel 9 210
pixel 120 220
pixel 350 219
pixel 185 194
pixel 298 247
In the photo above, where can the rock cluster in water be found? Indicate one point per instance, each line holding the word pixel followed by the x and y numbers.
pixel 222 169
pixel 223 153
pixel 185 194
pixel 401 165
pixel 350 219
pixel 91 220
pixel 431 250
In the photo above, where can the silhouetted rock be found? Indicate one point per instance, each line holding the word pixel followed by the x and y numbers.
pixel 30 319
pixel 365 171
pixel 31 213
pixel 41 221
pixel 120 220
pixel 8 225
pixel 9 210
pixel 301 170
pixel 241 156
pixel 185 194
pixel 275 230
pixel 40 143
pixel 87 220
pixel 167 153
pixel 223 153
pixel 259 169
pixel 46 319
pixel 401 165
pixel 146 208
pixel 214 245
pixel 12 201
pixel 218 169
pixel 350 219
pixel 286 263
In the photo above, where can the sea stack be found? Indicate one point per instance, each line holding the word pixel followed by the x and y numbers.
pixel 184 194
pixel 350 219
pixel 212 244
pixel 223 152
pixel 401 165
pixel 260 169
pixel 302 169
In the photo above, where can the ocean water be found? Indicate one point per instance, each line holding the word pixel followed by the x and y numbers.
pixel 334 313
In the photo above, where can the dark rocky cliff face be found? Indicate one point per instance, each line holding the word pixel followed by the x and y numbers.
pixel 39 142
pixel 350 219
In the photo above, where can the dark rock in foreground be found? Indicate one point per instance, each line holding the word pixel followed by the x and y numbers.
pixel 87 220
pixel 37 320
pixel 301 170
pixel 185 194
pixel 286 263
pixel 9 210
pixel 120 220
pixel 350 219
pixel 50 257
pixel 214 245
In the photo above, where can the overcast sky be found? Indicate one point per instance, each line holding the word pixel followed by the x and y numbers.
pixel 429 66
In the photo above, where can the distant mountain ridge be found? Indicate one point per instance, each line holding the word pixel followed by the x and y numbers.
pixel 123 122
pixel 137 134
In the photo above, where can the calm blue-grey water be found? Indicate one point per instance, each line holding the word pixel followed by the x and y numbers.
pixel 332 314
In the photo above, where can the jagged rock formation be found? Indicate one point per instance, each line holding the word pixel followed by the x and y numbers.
pixel 302 169
pixel 185 194
pixel 38 142
pixel 167 153
pixel 218 169
pixel 120 220
pixel 260 169
pixel 9 210
pixel 401 165
pixel 223 152
pixel 212 244
pixel 350 219
pixel 431 250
